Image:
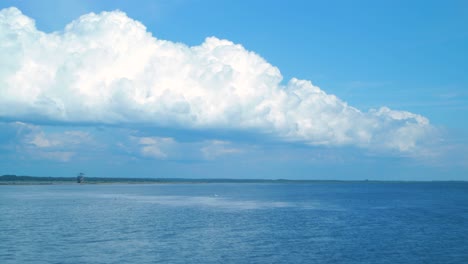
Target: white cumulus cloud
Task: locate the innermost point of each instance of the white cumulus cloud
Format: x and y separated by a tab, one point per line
107	68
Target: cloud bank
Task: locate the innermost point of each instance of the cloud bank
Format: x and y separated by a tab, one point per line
108	69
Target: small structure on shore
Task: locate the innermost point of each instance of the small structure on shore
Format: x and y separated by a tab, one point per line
80	178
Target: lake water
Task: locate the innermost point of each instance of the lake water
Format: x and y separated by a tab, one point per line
354	222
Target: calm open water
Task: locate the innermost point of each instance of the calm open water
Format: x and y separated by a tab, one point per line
235	223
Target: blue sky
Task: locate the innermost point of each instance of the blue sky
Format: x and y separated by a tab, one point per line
238	89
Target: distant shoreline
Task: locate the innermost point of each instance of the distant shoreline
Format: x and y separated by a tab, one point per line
35	180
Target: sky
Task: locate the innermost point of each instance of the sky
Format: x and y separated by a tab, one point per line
345	90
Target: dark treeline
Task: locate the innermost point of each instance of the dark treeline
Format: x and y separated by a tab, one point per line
14	179
31	178
34	179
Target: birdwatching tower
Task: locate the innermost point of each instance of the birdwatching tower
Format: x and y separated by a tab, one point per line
80	178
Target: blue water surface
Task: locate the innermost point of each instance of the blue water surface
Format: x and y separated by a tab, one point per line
353	222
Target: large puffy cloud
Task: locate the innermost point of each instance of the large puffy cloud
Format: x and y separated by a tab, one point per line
106	68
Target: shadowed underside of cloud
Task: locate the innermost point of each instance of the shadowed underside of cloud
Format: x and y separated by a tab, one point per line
107	69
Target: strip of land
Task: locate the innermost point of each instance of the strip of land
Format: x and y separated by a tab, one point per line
35	180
